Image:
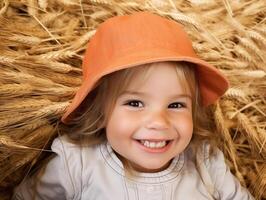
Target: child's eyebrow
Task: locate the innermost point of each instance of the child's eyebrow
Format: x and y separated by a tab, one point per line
145	94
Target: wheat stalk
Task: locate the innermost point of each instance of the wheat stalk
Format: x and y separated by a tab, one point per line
4	8
235	93
83	39
56	109
243	53
8	142
45	28
43	133
253	74
249	44
32	7
106	2
27	78
61	91
43	4
58	55
7	122
23	119
250	131
261	29
99	14
49	17
6	60
25	104
15	89
261	183
228	143
29	40
69	2
261	133
257	37
34	125
181	18
61	67
68	80
237	25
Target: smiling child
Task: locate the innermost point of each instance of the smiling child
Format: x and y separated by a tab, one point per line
135	129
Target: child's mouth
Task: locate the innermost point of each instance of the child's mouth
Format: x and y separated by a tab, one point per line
154	144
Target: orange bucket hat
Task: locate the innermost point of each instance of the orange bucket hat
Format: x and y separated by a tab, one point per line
139	38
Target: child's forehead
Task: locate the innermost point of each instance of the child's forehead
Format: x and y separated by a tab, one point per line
155	75
157	71
143	71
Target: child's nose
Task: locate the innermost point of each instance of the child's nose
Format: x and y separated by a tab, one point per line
157	120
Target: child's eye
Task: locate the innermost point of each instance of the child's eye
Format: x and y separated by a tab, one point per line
134	103
177	105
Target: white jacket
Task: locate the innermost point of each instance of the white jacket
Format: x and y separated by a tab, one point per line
95	173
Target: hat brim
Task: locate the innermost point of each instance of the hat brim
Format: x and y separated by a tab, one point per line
212	83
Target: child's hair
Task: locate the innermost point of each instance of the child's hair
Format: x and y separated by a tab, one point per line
87	125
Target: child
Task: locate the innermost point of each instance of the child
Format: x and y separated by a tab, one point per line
135	129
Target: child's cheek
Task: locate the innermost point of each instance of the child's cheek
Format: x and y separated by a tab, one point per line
183	123
123	123
130	120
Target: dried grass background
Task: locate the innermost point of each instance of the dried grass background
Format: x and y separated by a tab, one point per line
41	46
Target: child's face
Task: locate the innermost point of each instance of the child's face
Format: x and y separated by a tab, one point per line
152	123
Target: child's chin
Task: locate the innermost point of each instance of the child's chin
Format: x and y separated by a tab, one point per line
152	167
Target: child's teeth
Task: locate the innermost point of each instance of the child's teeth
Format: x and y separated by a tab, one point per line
160	144
153	144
